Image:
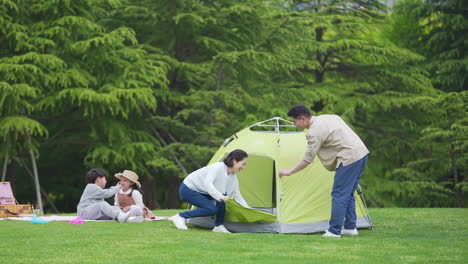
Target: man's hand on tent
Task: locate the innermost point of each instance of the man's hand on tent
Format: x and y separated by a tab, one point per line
301	165
285	172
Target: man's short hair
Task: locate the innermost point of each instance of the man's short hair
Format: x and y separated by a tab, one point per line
93	174
298	111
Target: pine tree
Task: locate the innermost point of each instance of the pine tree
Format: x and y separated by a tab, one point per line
351	70
438	30
444	43
90	86
221	55
155	86
23	71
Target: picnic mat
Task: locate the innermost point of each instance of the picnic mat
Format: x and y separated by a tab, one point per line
51	218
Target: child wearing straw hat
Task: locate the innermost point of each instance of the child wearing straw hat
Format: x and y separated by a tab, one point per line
92	205
130	199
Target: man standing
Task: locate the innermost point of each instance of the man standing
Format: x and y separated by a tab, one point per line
340	149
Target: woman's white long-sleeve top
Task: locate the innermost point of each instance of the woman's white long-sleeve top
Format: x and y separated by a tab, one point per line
215	181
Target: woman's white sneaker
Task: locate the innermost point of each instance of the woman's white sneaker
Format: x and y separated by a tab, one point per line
220	229
179	222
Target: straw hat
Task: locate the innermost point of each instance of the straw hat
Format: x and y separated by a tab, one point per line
129	175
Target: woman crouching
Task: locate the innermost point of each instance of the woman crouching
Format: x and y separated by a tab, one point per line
217	182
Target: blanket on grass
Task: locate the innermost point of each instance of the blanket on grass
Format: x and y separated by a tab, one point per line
51	218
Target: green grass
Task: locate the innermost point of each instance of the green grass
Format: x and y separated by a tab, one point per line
399	236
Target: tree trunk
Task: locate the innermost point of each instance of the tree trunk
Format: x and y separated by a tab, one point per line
5	166
319	72
173	193
319	76
149	197
174	157
457	190
11	175
36	182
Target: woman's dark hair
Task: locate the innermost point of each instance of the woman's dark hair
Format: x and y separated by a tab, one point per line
237	155
93	174
298	111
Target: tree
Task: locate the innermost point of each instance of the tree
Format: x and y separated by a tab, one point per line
24	70
438	30
221	56
155	86
93	85
375	85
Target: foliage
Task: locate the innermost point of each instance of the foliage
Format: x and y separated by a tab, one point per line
436	175
156	86
86	82
439	32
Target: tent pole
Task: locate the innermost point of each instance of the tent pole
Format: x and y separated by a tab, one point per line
5	167
36	182
361	194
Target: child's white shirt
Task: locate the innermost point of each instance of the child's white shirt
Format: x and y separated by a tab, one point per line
136	195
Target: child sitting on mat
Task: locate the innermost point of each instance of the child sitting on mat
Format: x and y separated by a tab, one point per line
92	205
129	198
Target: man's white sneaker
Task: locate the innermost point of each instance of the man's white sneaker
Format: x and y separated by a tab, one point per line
330	234
179	222
220	229
123	217
136	219
349	232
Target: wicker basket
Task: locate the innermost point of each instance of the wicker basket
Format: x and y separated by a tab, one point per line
13	210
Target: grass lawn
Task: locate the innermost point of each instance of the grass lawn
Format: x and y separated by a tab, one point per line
399	236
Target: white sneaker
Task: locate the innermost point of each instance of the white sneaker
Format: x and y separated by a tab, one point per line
330	234
220	229
179	222
136	219
123	217
349	232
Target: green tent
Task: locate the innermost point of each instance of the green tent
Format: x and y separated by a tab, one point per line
300	203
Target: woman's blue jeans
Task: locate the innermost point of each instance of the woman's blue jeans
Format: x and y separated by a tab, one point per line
204	204
343	212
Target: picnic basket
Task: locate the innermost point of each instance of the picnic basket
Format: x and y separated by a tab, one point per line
9	207
13	210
